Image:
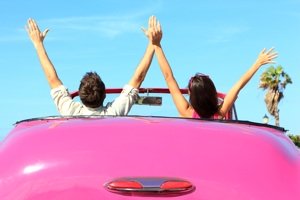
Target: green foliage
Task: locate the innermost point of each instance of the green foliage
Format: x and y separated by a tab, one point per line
272	77
295	139
274	81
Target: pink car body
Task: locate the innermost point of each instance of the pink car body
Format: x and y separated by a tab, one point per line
138	157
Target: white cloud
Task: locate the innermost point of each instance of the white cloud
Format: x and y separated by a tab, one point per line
106	26
13	36
69	27
9	39
225	34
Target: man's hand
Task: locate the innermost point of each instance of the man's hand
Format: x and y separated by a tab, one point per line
36	36
154	32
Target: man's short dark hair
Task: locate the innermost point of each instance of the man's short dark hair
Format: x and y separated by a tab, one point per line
92	90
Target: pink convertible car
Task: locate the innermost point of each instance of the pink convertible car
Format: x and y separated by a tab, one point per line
147	157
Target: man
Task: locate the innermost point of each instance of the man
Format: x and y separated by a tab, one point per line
91	89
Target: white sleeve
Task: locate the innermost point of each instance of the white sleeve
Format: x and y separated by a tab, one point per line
63	101
123	103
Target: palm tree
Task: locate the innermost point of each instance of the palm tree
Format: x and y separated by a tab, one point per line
295	139
274	80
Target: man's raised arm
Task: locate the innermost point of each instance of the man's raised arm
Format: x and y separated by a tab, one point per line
142	69
37	37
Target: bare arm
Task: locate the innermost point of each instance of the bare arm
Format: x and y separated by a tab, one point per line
37	37
265	57
182	105
143	67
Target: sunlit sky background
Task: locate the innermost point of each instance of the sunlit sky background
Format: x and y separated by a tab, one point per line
216	37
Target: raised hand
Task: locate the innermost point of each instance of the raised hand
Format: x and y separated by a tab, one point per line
37	37
34	32
154	31
266	57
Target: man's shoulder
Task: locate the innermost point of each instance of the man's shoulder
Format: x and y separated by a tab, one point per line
59	88
128	89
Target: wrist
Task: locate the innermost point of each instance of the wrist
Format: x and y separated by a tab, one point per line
157	45
257	64
38	45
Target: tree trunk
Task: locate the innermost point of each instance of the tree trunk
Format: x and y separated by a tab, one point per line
276	116
272	99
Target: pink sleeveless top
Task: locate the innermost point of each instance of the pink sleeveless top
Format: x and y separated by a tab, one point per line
215	116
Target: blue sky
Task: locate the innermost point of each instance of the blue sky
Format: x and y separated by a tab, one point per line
215	37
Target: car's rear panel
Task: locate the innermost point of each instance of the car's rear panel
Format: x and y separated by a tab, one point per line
75	158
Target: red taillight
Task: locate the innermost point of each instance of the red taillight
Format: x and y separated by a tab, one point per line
150	186
176	185
124	184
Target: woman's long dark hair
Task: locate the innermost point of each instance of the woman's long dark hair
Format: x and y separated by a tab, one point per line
203	95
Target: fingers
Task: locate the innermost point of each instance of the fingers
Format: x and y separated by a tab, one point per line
143	29
267	56
155	25
272	54
271	62
151	31
34	32
158	27
29	26
153	28
270	50
32	26
45	33
149	22
152	18
263	51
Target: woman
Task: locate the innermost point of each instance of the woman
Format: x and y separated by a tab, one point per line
203	100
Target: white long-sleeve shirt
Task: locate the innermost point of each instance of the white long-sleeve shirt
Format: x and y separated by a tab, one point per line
68	107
